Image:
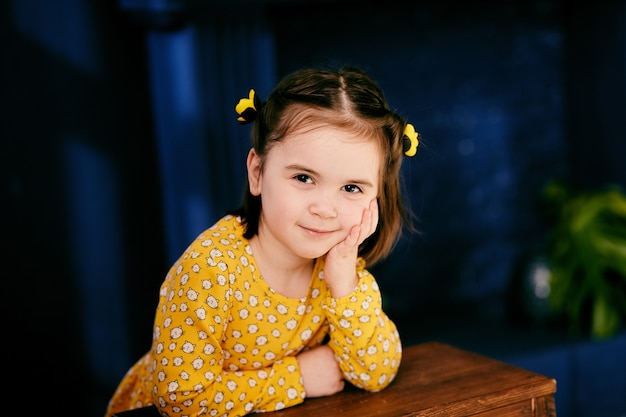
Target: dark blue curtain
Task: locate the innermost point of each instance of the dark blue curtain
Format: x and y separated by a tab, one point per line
198	73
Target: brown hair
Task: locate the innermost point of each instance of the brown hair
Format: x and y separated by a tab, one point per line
346	98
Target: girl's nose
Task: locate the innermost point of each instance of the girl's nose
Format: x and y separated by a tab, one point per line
323	206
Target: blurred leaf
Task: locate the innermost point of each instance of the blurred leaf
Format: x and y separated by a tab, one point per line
587	256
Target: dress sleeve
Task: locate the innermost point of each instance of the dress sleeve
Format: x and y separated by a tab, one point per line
364	339
188	371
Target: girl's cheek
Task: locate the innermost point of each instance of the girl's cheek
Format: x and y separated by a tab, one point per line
351	214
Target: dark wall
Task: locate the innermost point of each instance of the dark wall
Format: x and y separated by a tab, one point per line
485	87
81	224
507	95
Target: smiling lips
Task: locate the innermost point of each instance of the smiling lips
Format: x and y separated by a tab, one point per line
317	233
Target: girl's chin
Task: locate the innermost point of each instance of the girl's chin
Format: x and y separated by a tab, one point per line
314	253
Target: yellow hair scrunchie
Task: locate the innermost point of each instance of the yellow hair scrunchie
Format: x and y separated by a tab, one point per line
248	107
410	140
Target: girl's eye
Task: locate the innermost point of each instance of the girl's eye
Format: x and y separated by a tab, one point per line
303	178
351	188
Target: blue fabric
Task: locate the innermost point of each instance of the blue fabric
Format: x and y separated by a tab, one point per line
198	74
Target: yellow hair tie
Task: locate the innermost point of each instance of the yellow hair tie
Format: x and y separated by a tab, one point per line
410	140
248	108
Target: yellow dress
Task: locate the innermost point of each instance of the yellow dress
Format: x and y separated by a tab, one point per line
225	343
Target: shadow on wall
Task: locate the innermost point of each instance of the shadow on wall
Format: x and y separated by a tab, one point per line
80	199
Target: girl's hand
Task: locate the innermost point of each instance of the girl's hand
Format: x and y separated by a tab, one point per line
339	270
320	372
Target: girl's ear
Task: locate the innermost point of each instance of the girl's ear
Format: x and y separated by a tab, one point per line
254	172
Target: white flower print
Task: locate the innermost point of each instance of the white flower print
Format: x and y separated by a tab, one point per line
212	301
253	301
188	347
197	363
201	313
172	386
292	393
306	335
219	397
192	295
176	332
209	349
382	379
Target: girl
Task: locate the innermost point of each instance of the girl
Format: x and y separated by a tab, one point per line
273	303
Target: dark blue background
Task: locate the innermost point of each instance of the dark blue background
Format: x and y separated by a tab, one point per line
119	145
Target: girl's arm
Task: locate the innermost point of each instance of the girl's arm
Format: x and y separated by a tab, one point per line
365	341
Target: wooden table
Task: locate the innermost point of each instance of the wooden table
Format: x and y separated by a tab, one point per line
436	379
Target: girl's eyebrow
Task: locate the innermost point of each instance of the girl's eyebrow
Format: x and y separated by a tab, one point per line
361	182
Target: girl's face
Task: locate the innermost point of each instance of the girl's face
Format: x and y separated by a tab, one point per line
314	187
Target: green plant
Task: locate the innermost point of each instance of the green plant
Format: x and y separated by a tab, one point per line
586	250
